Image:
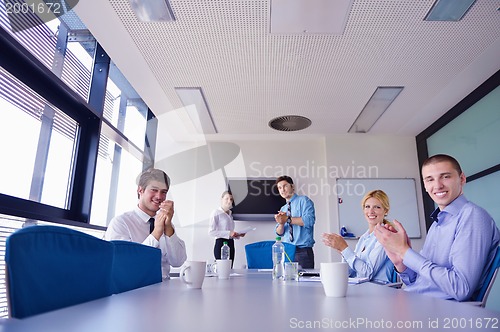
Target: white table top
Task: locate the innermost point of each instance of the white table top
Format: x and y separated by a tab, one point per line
254	302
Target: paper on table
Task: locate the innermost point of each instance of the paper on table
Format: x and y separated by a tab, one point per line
358	280
351	280
246	230
309	279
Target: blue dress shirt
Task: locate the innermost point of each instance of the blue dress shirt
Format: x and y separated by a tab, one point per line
368	259
459	247
303	236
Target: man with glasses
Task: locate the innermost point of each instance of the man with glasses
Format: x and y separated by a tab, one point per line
296	222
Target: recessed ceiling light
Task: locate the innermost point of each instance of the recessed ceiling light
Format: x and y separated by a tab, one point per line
448	10
379	102
152	10
200	113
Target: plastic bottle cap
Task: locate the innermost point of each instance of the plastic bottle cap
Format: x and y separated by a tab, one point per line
225	242
278	238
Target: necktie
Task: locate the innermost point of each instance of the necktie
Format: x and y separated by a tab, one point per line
434	215
151	222
290	227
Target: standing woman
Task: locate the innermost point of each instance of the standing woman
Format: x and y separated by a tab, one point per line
222	226
368	258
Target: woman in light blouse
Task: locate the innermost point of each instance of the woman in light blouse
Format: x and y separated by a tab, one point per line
221	226
368	258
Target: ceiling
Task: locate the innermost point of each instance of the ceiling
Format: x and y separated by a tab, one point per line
249	76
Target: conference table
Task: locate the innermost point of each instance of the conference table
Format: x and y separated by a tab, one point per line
251	301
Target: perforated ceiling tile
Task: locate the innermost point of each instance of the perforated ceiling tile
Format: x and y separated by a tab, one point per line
250	76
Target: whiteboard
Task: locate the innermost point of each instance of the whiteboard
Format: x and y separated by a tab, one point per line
402	199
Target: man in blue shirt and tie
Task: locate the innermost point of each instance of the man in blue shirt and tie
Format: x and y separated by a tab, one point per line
460	244
296	222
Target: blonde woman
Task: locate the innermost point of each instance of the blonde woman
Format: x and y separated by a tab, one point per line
368	258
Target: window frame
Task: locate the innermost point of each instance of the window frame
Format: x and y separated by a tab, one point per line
23	65
421	139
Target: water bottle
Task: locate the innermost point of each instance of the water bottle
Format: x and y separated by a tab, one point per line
224	251
278	260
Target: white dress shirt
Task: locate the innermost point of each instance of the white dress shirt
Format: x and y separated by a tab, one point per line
221	224
134	226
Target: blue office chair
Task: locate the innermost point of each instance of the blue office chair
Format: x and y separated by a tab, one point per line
259	254
480	297
50	267
135	265
394	275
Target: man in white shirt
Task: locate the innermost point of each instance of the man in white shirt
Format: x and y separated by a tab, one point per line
150	222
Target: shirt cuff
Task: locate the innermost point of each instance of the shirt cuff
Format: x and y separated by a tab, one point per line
173	237
151	241
413	260
348	255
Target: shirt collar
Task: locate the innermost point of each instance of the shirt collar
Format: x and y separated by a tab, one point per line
293	197
453	208
222	211
142	215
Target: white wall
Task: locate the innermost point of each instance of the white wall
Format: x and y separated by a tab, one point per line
360	155
305	159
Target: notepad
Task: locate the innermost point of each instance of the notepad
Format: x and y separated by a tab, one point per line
246	230
309	279
350	280
358	280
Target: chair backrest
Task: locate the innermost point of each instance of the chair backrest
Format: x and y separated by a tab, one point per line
135	265
394	275
259	254
482	296
50	267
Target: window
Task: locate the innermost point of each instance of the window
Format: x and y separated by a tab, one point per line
62	147
468	132
469	136
64	46
121	154
71	150
124	108
40	141
115	188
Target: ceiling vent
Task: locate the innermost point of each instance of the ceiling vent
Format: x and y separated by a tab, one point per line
290	123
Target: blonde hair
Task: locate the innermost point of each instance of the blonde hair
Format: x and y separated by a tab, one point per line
381	196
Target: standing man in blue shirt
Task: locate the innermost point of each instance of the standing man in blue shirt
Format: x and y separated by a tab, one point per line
296	222
460	245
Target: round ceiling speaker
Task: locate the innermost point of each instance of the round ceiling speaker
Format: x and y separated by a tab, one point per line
290	123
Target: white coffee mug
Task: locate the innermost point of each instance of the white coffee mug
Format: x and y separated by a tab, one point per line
334	277
223	268
192	273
